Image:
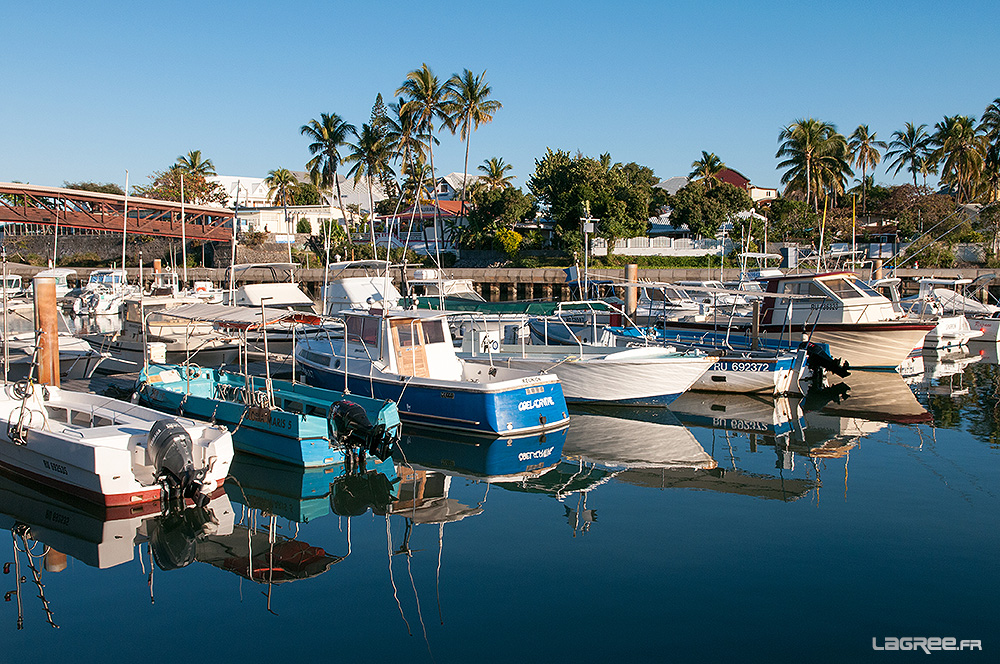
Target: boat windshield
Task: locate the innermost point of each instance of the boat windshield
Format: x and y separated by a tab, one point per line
843	288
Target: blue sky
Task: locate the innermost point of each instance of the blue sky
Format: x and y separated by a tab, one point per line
93	89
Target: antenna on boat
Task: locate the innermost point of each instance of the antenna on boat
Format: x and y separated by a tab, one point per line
232	258
184	254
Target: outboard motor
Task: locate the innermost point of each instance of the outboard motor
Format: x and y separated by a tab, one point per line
353	428
170	446
174	536
818	356
353	495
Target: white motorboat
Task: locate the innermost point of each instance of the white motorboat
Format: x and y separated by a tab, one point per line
643	376
948	308
106	451
104	293
859	325
147	320
76	357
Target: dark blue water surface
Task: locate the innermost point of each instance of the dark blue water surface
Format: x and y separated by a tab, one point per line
730	528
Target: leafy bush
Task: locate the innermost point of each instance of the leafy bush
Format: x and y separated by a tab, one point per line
508	241
303	226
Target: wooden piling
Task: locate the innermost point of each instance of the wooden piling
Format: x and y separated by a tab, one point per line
47	326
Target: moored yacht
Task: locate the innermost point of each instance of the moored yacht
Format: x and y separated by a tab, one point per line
409	357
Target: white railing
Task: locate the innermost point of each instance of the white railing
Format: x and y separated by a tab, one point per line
660	246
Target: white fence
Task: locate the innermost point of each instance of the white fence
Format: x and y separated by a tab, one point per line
660	246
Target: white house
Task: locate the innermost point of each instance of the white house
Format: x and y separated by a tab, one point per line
253	193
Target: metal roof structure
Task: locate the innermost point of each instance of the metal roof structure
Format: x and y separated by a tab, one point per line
94	211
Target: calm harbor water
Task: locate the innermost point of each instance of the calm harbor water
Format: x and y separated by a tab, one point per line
733	527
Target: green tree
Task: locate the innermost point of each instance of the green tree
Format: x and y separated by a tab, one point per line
192	163
98	187
495	173
707	169
865	153
370	157
328	135
427	99
281	186
306	193
911	148
471	106
960	151
166	186
989	126
619	195
406	143
790	219
803	142
704	210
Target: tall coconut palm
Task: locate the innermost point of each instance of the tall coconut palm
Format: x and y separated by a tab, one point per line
402	139
800	142
192	163
911	147
960	150
370	156
471	106
281	186
866	152
328	135
832	166
495	174
427	98
989	125
707	169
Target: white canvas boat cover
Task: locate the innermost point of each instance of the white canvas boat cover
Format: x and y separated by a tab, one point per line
240	317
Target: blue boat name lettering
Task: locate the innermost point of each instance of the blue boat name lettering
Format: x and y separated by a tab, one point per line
55	467
537	403
535	454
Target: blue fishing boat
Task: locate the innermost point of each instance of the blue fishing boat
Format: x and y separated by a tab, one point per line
409	357
281	420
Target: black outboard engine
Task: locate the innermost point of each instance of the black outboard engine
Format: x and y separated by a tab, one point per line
170	447
174	536
354	494
818	356
353	428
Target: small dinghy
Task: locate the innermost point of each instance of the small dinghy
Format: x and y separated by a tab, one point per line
107	451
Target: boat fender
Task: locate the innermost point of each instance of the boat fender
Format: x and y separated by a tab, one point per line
169	446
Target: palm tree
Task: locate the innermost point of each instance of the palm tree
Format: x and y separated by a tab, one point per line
495	174
707	168
960	150
911	148
281	186
832	167
328	135
801	140
192	163
370	157
989	125
866	153
471	106
427	99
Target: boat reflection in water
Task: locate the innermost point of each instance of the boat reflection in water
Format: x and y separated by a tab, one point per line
96	536
257	550
941	371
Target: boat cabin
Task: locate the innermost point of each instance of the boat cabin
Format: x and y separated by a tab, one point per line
411	343
11	285
113	279
61	275
834	297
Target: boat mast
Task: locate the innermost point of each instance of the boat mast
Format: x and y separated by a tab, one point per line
124	224
184	254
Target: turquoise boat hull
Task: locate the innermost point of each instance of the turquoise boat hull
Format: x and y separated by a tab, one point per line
296	427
